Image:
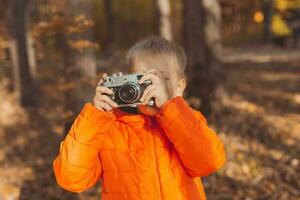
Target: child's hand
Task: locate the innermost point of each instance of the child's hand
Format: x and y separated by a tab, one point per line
101	101
157	90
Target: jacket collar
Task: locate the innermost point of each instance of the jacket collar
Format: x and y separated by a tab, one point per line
132	118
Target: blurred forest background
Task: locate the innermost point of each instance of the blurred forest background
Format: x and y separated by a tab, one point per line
243	69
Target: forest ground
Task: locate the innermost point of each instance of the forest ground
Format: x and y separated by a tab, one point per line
257	117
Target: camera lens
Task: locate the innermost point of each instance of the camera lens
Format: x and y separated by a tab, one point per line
129	92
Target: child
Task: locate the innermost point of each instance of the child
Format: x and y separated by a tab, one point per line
146	153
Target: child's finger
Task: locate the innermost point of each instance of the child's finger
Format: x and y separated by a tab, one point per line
154	79
104	106
104	98
103	90
150	94
109	101
96	104
102	79
150	87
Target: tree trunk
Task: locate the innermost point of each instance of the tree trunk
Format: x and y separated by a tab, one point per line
110	41
80	64
20	32
162	20
267	7
83	59
14	62
203	45
31	55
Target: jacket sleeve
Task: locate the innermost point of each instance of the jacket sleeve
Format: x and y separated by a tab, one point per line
78	165
199	148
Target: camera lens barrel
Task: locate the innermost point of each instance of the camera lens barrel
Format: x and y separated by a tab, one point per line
129	92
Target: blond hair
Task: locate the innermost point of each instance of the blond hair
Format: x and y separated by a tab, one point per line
158	51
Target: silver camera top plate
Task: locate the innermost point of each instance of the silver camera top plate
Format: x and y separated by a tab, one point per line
119	79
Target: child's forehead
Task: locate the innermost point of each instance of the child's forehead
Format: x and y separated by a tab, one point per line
144	69
144	66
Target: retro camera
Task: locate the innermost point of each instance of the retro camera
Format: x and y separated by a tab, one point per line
126	88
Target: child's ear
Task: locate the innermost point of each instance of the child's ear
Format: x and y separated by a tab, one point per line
181	86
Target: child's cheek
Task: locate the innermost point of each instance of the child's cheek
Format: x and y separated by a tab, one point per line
172	88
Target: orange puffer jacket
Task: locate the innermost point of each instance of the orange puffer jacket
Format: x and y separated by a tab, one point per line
140	157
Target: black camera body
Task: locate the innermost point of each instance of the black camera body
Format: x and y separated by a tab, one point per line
127	89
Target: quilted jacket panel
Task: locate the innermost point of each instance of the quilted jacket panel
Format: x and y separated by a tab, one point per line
140	157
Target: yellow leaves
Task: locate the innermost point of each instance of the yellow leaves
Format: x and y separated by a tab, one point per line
67	30
2	42
74	30
194	102
241	104
84	21
11	111
3	45
295	162
57	6
48	27
258	17
296	98
287	4
281	4
80	24
80	45
9	191
279	27
79	18
68	114
65	87
58	23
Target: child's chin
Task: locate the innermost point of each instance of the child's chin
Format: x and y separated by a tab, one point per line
148	110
